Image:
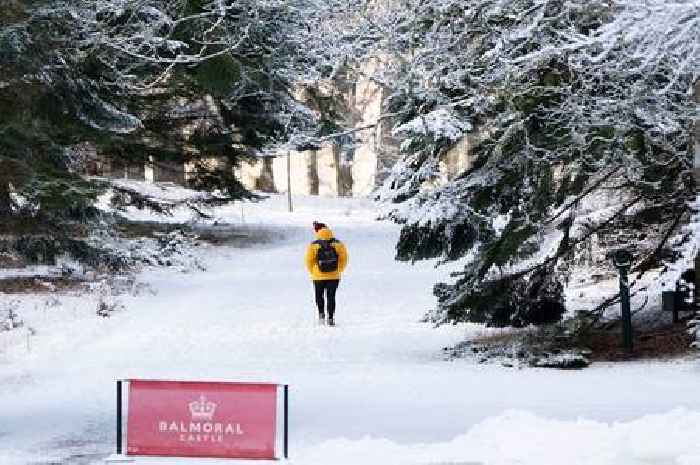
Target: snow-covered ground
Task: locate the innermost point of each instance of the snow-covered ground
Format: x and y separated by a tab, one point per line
373	390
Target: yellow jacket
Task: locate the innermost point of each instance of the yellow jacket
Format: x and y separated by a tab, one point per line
325	234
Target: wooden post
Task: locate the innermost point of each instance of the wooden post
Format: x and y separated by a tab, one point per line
286	421
119	417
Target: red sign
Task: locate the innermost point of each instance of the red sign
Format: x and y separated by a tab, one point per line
197	419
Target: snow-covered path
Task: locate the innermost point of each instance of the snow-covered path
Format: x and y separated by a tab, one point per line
378	374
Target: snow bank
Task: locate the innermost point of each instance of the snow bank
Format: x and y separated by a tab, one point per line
521	438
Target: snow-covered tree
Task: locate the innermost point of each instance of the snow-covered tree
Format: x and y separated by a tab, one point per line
577	114
170	80
216	76
44	204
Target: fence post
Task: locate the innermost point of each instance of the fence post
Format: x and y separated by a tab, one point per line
119	417
622	258
286	421
626	310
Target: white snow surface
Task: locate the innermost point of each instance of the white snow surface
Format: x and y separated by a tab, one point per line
376	389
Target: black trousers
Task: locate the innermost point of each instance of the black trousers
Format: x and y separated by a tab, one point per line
325	290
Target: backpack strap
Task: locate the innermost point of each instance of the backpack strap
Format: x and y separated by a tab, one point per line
330	241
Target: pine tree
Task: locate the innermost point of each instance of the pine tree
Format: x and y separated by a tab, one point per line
44	204
160	81
223	70
564	103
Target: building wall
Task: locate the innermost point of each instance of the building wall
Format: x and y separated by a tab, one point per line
257	175
457	159
304	174
367	106
327	167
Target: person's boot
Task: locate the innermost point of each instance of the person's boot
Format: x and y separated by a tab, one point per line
331	321
321	319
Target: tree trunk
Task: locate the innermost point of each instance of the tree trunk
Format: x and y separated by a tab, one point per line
5	200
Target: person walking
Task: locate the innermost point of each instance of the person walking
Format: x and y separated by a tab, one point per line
326	259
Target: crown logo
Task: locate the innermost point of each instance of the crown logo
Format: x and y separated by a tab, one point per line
202	409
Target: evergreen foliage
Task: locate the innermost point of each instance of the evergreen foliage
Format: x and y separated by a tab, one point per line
141	82
564	104
43	202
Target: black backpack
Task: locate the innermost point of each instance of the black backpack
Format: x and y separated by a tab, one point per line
327	257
